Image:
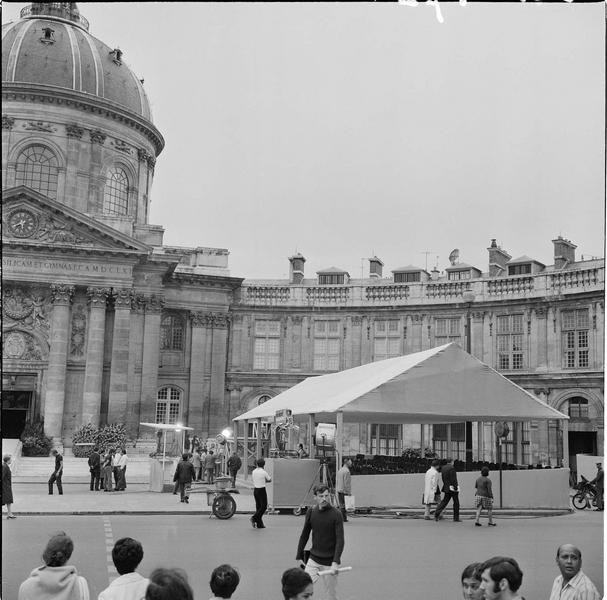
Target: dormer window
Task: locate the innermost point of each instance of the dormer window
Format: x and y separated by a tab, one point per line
48	36
407	277
459	275
520	269
333	279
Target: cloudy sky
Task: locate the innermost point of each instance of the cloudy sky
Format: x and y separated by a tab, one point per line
345	130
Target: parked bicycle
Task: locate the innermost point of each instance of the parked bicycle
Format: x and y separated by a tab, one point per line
586	495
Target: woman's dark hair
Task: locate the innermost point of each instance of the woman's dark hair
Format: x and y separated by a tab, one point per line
127	554
485	471
224	581
472	571
294	581
169	584
58	550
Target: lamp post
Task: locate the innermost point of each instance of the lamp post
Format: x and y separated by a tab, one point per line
469	299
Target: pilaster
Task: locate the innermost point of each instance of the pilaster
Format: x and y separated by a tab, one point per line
120	356
198	323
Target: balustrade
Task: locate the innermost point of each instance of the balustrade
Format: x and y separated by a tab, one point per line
510	285
387	292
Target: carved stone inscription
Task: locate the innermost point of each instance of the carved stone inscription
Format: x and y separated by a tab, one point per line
57	266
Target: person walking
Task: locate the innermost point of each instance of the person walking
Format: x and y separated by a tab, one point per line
107	468
55	579
260	477
196	462
598	482
121	465
7	486
56	474
483	497
343	486
234	464
209	466
184	474
450	491
127	553
327	528
431	493
115	467
572	583
95	468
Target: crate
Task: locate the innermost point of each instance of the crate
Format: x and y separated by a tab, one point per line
222	483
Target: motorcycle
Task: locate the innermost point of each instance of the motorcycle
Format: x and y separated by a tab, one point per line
586	495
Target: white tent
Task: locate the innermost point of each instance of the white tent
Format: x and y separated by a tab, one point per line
440	385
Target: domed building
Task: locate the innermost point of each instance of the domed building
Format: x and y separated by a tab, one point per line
94	306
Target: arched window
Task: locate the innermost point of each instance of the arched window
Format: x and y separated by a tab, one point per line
168	405
116	192
263	399
37	167
578	408
171	333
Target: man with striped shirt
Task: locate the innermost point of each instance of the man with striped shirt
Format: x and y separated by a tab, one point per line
572	583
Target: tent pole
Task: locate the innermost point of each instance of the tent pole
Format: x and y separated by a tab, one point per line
449	448
565	425
245	442
422	440
310	435
338	440
258	445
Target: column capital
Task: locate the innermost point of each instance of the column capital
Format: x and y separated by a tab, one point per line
122	297
61	293
209	319
154	303
97	296
137	302
357	320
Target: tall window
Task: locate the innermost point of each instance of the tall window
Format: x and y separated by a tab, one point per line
326	345
458	441
171	333
575	326
37	167
266	354
388	439
168	403
578	409
116	193
510	339
386	342
447	330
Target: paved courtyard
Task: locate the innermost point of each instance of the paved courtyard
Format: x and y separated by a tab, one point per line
392	558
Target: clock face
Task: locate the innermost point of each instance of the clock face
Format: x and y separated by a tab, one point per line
22	223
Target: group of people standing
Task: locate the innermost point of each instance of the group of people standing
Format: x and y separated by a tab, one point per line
102	467
445	471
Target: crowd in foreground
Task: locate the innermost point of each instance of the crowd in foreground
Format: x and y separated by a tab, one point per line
498	578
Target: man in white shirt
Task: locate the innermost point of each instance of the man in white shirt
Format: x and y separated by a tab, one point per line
126	554
260	478
343	486
572	583
116	468
122	462
431	488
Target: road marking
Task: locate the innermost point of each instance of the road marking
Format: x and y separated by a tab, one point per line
109	545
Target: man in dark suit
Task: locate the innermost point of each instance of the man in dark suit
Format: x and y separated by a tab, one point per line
450	490
95	468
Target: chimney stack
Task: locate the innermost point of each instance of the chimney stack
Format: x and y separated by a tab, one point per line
564	252
375	268
296	272
497	260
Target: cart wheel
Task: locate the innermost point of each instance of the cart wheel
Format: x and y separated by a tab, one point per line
297	511
579	501
224	506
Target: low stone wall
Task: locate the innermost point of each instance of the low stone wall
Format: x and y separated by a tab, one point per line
536	488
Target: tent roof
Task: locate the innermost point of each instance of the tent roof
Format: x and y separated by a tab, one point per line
441	385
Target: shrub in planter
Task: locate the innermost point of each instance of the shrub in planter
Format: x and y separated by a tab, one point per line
86	434
112	436
34	441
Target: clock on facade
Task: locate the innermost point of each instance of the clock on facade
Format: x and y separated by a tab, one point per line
22	223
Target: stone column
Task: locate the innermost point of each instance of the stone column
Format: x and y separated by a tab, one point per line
151	356
539	345
61	296
219	345
135	364
199	324
119	368
93	372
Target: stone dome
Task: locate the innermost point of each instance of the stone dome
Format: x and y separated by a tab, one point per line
50	46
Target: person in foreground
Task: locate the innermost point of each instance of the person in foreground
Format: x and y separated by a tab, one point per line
224	581
126	555
471	582
327	527
169	584
55	580
296	585
501	578
572	583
